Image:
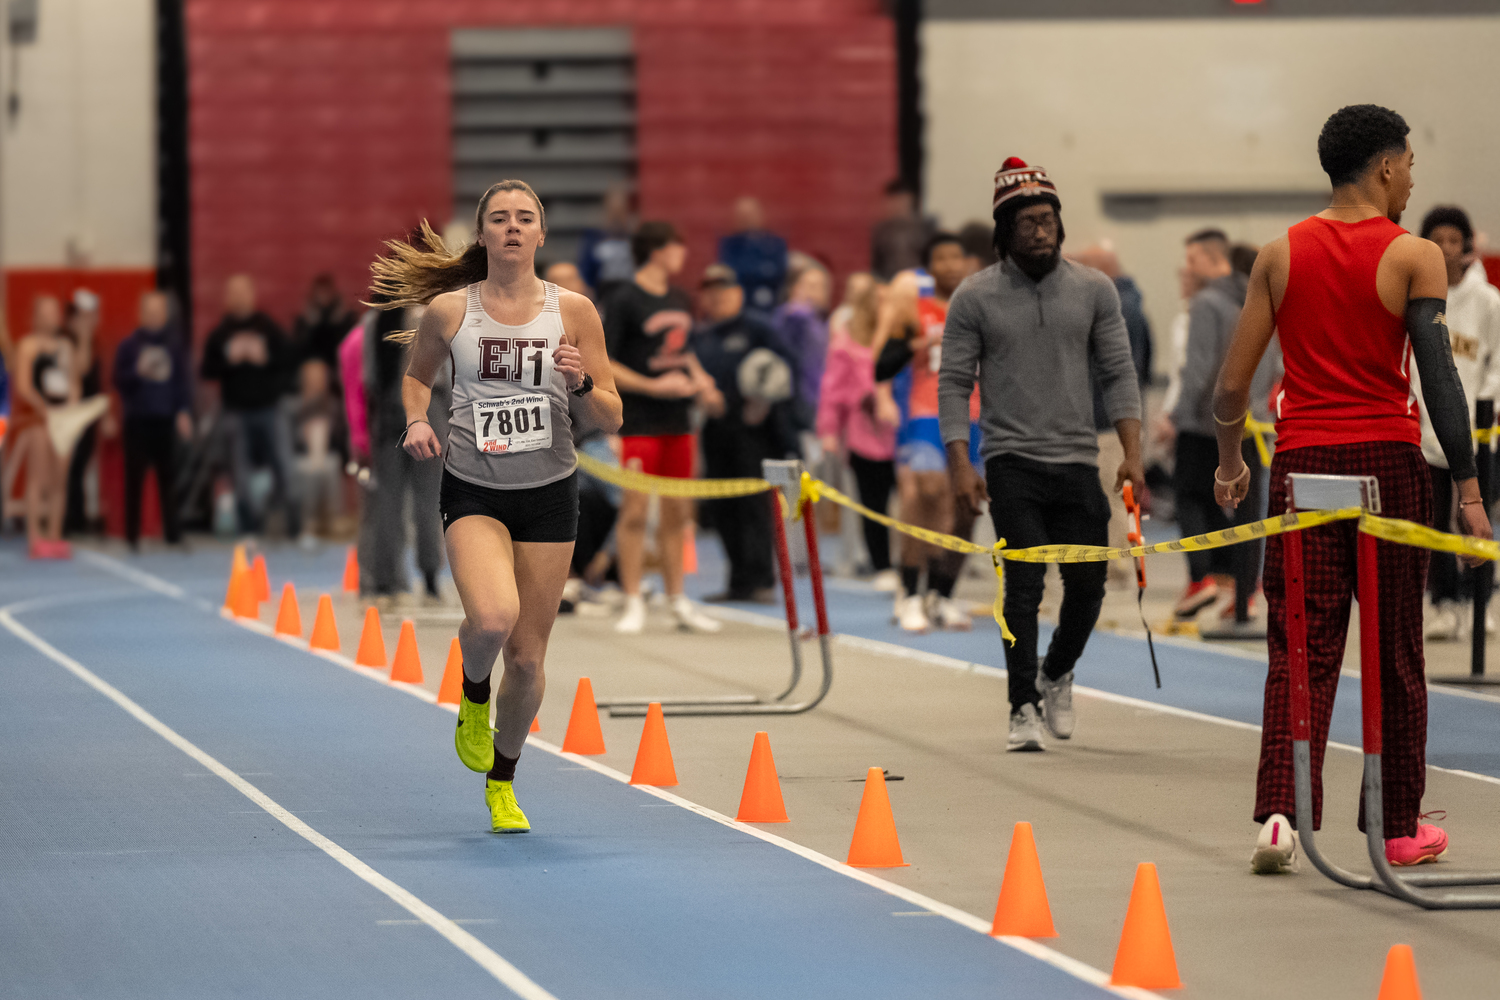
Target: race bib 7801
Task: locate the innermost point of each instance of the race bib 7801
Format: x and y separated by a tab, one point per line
513	424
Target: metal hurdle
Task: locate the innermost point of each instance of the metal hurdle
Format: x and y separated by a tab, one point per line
786	478
1308	492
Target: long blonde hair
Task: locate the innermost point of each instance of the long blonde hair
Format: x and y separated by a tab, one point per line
862	296
414	273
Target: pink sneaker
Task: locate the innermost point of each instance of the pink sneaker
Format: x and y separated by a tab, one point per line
1429	844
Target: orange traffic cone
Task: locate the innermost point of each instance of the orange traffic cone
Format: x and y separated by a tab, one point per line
536	725
1400	979
653	758
690	548
761	802
453	675
875	844
1145	957
325	633
237	566
584	735
1023	910
244	595
371	643
262	581
351	572
407	665
289	616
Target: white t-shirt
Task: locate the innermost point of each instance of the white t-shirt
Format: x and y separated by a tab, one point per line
1473	314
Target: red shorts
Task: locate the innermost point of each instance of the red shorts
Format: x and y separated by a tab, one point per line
670	455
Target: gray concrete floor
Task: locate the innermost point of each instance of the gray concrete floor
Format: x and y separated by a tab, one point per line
1133	785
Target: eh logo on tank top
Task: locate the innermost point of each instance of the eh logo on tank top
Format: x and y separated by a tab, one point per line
512	359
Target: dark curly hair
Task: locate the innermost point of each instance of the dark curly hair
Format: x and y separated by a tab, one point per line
936	240
1449	215
1354	136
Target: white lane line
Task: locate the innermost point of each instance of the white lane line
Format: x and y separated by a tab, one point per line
1056	959
511	977
1040	952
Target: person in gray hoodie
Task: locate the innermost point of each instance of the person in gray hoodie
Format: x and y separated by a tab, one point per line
1033	327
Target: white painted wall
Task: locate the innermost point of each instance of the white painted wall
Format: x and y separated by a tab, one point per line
1201	105
78	164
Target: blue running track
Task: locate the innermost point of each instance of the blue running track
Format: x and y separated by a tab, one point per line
131	870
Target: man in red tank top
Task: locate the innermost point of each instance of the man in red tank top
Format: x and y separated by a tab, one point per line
1355	300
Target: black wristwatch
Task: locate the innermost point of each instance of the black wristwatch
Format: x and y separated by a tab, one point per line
584	388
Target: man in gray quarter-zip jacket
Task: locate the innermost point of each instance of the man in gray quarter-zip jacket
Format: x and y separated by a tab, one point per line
1033	326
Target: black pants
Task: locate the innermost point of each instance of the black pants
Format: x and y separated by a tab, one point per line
733	450
596	519
75	517
1039	503
151	442
1197	510
876	479
1444	582
1247	557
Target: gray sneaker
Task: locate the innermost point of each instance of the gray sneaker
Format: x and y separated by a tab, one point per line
1025	729
1057	703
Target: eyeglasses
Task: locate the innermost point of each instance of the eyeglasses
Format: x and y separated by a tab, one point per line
1037	224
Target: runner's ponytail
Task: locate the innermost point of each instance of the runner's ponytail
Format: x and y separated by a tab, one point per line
415	272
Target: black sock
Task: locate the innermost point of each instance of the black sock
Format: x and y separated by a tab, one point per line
505	767
477	691
939	579
432	585
909	577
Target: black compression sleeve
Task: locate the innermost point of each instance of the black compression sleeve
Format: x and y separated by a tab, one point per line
1442	392
893	357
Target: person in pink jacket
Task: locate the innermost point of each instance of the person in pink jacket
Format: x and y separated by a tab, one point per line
858	418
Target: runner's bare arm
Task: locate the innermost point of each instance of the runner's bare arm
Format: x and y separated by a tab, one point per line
1246	348
583	346
428	354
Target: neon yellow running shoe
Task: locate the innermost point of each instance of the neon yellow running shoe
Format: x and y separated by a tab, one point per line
474	738
505	815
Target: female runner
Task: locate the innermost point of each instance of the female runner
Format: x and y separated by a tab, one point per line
528	361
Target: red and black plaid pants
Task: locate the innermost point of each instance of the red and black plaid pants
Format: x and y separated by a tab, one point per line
1329	560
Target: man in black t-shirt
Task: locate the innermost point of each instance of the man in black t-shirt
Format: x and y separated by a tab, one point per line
646	328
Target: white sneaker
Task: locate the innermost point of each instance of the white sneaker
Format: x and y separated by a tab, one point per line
1276	848
634	618
573	590
1057	703
946	614
690	619
911	615
1442	622
1025	730
887	581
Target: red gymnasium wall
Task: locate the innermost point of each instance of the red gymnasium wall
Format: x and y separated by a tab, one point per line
320	127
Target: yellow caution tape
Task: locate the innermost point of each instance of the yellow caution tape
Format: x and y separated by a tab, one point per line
815	490
1485	435
1423	537
1259	430
640	482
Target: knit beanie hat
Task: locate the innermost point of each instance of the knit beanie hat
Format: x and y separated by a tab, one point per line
1015	180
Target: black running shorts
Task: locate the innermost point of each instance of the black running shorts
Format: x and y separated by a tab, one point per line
540	514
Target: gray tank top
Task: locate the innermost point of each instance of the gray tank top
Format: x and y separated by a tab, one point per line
509	428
